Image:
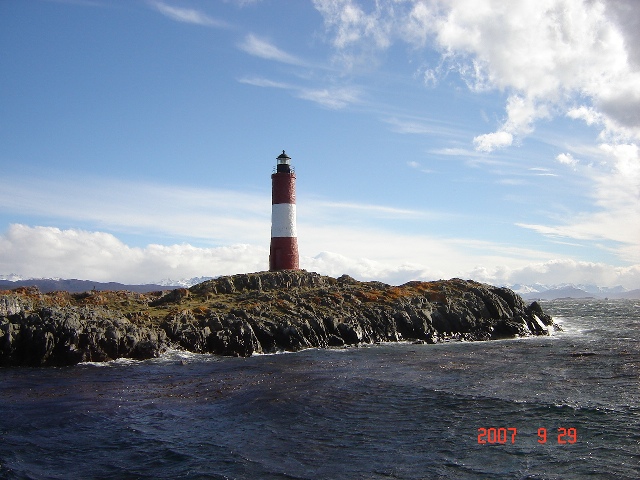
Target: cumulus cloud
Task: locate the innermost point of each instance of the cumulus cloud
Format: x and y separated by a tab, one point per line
490	141
334	264
588	114
567	159
94	255
73	253
542	53
52	252
562	271
521	114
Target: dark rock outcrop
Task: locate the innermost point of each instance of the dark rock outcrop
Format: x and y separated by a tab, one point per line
255	313
55	336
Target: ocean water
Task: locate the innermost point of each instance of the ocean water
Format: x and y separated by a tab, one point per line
392	411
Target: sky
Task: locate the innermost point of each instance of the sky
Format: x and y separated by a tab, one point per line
431	139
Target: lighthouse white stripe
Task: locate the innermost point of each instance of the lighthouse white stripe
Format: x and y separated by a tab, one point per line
283	220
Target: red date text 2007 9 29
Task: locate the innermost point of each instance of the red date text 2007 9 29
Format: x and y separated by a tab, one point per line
492	436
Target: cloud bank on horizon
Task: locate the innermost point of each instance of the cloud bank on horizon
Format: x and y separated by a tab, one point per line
515	126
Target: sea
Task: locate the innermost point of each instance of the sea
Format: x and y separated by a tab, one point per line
565	406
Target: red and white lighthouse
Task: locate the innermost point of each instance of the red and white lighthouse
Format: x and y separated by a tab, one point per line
283	254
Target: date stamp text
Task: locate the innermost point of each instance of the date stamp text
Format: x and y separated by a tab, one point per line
504	435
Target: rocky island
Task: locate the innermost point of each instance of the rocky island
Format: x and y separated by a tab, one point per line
261	312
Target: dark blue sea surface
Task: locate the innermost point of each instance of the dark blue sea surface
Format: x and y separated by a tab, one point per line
399	411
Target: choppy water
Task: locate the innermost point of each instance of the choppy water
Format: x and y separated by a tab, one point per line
397	411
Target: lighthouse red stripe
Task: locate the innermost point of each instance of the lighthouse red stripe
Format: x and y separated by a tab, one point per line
283	188
283	254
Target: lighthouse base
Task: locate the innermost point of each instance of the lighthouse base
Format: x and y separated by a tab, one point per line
283	254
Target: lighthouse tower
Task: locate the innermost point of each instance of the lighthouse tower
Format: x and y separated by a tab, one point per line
283	254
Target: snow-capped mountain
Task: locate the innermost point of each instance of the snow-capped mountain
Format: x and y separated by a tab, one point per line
183	282
12	277
567	290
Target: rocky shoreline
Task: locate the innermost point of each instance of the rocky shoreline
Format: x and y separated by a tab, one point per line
261	312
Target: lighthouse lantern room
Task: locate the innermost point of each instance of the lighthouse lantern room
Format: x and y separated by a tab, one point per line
283	254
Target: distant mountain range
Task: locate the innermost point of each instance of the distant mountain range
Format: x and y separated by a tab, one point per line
528	292
553	292
46	285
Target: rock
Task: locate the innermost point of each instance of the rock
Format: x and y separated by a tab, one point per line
263	312
10	305
53	336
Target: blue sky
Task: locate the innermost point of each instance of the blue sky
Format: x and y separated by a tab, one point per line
431	139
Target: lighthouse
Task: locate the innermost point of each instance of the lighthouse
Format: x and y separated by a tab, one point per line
283	254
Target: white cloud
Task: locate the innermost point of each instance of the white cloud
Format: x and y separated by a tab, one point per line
456	152
186	15
52	252
334	264
93	255
262	48
424	126
561	271
542	172
371	210
567	159
588	114
353	25
334	98
244	3
265	82
540	52
328	97
490	141
365	253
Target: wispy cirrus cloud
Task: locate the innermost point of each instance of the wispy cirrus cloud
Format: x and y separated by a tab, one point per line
186	15
412	126
334	98
372	210
216	216
265	82
260	47
615	175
